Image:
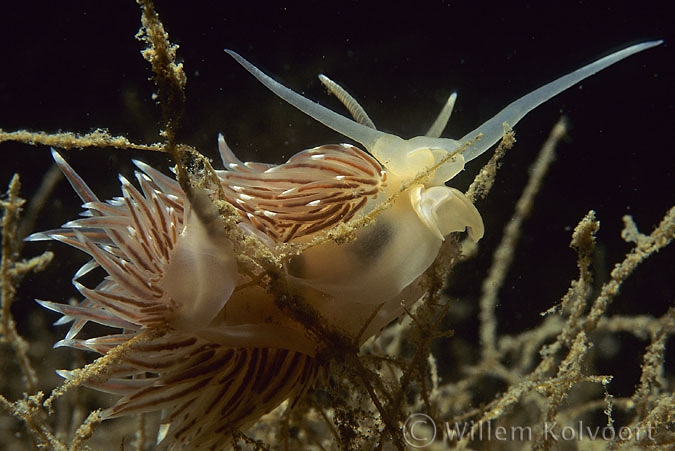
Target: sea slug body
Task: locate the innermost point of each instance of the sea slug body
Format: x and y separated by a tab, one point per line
224	353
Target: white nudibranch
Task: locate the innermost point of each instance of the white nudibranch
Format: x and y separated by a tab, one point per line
224	353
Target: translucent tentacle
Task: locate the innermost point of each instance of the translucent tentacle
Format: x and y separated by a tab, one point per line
441	121
410	157
358	132
493	129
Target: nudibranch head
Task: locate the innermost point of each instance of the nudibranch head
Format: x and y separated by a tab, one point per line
220	351
430	160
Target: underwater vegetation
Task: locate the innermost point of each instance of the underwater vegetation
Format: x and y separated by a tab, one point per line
340	383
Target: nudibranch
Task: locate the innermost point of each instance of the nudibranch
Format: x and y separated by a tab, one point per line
224	353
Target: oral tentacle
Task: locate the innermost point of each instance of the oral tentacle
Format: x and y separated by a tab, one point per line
493	129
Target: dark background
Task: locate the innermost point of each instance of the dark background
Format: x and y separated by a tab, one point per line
76	66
